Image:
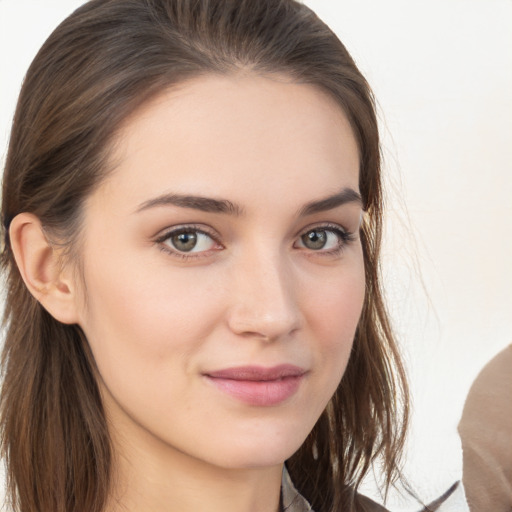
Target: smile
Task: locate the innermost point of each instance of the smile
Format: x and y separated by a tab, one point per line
258	386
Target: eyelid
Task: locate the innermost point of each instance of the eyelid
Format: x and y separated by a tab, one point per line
199	228
327	226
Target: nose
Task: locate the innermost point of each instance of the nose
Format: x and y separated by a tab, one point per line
264	301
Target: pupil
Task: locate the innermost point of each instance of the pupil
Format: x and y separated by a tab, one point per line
184	241
315	239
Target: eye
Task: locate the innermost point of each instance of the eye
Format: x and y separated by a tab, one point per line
324	238
188	240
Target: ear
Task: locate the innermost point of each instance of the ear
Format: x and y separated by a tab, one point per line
39	263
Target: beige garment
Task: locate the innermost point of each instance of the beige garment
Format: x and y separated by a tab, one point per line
486	433
294	502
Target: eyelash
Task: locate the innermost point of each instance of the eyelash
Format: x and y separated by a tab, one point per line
344	238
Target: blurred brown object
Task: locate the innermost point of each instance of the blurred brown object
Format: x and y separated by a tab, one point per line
486	433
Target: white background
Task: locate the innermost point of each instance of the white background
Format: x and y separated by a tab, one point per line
442	74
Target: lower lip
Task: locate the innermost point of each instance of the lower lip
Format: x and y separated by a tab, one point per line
260	393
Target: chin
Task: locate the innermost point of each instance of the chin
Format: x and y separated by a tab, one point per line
264	451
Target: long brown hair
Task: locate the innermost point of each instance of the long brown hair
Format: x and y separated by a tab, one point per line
102	63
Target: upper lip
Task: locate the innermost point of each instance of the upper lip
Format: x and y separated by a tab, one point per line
258	373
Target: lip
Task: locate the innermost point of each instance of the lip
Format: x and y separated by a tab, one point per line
258	385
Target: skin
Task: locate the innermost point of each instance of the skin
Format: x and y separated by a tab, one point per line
251	292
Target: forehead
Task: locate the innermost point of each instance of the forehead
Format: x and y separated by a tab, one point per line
245	137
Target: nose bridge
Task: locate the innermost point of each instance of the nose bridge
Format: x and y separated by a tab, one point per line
264	300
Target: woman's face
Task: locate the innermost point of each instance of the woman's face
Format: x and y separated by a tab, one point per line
223	271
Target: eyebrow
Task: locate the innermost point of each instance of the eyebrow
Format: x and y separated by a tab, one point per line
204	204
347	195
211	205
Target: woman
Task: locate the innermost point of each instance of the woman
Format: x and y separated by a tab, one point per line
192	212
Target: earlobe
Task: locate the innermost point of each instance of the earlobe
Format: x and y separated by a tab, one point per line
39	265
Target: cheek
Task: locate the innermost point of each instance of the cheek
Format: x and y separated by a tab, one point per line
335	309
144	334
333	313
139	315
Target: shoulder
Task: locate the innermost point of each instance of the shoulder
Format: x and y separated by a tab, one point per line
485	429
488	401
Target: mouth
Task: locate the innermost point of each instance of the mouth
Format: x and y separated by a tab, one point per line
257	385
